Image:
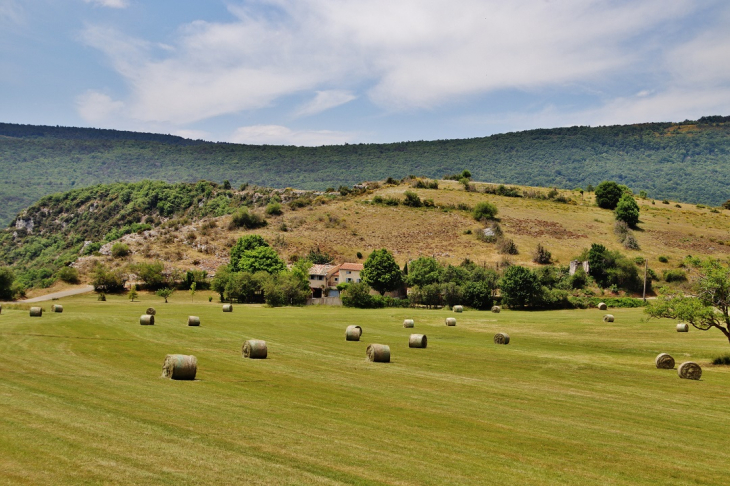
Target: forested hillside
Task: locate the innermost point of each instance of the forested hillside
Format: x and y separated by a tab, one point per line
688	161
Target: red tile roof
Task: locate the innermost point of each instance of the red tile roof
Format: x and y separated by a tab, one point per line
352	266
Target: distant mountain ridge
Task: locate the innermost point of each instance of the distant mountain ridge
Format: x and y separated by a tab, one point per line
686	161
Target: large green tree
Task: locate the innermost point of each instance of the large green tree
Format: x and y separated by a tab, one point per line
520	287
381	271
627	210
7	277
709	306
261	259
608	194
423	271
245	243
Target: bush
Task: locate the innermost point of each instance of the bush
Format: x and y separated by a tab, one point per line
484	211
674	275
541	255
68	275
608	194
627	210
244	219
273	209
107	281
7	277
412	200
663	259
722	360
358	295
120	250
507	246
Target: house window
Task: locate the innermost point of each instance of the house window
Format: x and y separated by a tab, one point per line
349	280
349	272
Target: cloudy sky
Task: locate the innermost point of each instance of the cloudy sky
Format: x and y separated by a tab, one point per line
314	72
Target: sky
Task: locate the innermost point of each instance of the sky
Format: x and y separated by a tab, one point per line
321	72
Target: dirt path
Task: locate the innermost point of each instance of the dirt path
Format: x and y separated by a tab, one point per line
58	295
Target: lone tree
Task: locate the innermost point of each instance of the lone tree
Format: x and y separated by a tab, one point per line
381	271
627	210
608	194
133	293
708	309
164	293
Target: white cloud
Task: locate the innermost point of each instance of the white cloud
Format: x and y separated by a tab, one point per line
95	107
280	135
324	100
110	3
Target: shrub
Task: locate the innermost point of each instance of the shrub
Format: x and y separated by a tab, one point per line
541	255
507	246
378	200
608	194
722	360
245	219
412	200
663	259
120	250
676	275
627	210
273	209
358	295
484	211
391	201
359	255
7	277
68	275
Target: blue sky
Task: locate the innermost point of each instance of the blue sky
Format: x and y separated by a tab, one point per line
314	72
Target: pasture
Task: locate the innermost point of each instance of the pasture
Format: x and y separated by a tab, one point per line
571	399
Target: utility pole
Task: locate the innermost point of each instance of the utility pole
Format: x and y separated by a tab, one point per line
646	268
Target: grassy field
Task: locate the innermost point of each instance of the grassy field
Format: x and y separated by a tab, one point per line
571	400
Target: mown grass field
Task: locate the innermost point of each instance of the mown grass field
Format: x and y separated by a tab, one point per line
571	400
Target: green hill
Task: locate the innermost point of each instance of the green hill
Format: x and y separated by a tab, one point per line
686	161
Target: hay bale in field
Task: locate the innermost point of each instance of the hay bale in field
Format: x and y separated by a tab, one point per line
496	309
57	308
378	353
458	308
147	320
501	338
36	312
408	323
450	321
193	321
255	349
683	327
602	306
608	318
180	367
664	362
689	370
417	341
1	309
227	307
151	311
353	333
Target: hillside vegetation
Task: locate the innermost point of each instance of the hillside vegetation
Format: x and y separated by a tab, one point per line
688	161
190	226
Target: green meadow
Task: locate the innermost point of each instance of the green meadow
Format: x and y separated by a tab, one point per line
571	399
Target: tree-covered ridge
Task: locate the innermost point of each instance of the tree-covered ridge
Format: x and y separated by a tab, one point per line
688	161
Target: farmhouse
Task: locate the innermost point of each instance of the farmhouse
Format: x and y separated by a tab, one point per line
320	278
350	272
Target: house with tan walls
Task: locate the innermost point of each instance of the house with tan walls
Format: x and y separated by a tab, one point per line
350	273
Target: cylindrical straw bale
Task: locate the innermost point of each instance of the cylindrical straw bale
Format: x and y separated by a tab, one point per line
378	353
608	318
501	338
57	308
682	327
602	306
458	308
417	341
408	323
496	309
147	320
1	309
689	370
353	333
255	349
36	312
227	307
151	311
180	367
450	321
193	321
664	362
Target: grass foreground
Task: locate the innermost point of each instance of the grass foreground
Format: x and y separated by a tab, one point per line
571	399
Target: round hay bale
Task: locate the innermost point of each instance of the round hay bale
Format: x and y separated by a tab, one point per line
664	362
378	353
193	321
1	309
151	311
450	321
608	318
57	308
417	341
180	367
689	370
408	323
496	309
36	312
602	306
227	307
353	333
683	327
147	320
501	338
255	349
458	308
